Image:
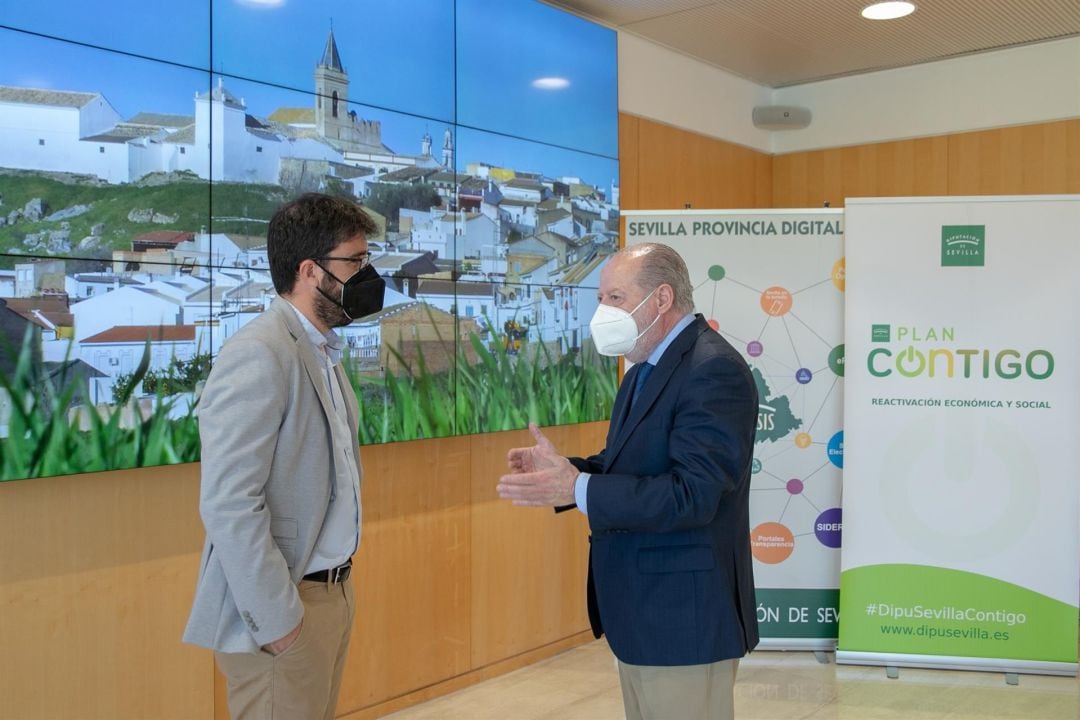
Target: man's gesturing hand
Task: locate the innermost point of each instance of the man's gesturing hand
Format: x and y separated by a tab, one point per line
539	475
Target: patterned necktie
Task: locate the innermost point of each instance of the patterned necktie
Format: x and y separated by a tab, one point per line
639	382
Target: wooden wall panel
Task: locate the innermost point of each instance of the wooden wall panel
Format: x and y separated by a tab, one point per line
412	576
1031	159
891	169
629	187
1024	160
529	564
663	167
97	573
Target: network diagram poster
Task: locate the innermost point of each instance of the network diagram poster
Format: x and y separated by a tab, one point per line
772	283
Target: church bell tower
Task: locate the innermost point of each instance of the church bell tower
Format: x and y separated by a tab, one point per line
332	94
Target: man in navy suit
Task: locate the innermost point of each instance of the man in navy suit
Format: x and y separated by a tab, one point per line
670	575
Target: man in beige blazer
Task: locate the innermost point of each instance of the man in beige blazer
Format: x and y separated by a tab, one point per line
280	492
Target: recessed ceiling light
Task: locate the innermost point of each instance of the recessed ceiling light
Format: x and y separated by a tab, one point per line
550	83
888	10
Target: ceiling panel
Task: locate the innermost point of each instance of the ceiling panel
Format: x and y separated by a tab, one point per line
778	43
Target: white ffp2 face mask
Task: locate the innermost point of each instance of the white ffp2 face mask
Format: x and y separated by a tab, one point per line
614	330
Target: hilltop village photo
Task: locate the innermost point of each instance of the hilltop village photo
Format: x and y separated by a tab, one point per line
133	246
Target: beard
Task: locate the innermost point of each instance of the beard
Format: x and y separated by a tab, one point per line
329	312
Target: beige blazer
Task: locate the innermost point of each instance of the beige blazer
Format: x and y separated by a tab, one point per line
269	452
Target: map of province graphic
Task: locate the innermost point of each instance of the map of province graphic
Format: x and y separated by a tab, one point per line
775	419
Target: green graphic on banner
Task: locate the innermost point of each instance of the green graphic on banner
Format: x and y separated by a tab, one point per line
795	613
963	245
924	610
775	419
836	360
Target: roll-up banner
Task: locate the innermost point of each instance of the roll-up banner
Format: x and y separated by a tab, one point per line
962	532
772	283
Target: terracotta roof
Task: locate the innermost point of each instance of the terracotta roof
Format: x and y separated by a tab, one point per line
449	287
170	237
142	333
547	217
294	116
581	269
43	304
183	136
246	242
406	174
388	312
123	132
528	262
524	184
33	96
162	120
442	176
220	94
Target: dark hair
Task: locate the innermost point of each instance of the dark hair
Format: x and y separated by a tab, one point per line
309	227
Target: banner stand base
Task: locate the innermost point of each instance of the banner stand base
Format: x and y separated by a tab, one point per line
822	645
945	662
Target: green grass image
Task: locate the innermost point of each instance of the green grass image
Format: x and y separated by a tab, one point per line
496	391
44	436
486	390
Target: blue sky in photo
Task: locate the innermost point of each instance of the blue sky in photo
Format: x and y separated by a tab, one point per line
175	32
131	85
503	47
523	155
399	55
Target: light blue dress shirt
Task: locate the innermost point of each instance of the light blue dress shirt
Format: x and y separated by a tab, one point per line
341	532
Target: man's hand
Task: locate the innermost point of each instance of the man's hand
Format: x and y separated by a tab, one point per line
531	459
539	475
279	646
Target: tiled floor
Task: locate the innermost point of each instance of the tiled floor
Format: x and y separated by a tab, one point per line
582	684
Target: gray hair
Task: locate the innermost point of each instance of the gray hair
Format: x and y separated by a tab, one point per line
664	266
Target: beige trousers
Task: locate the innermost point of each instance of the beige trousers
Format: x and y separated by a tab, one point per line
681	692
301	683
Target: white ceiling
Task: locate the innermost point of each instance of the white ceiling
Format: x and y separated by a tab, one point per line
778	43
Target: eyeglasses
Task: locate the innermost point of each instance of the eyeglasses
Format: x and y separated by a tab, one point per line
360	261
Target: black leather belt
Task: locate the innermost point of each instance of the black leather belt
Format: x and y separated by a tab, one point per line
334	575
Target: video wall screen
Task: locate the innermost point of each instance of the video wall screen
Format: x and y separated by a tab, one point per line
143	151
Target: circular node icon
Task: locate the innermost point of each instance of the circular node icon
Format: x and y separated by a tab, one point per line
754	348
794	486
837	274
836	360
755	466
802	440
714	324
836	449
717	272
828	526
803	376
776	301
771	542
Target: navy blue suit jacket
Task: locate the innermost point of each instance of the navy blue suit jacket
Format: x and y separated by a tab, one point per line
670	573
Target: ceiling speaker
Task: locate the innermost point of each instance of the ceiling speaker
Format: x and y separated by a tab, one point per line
781	117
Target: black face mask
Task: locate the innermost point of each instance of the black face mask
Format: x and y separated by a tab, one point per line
361	294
